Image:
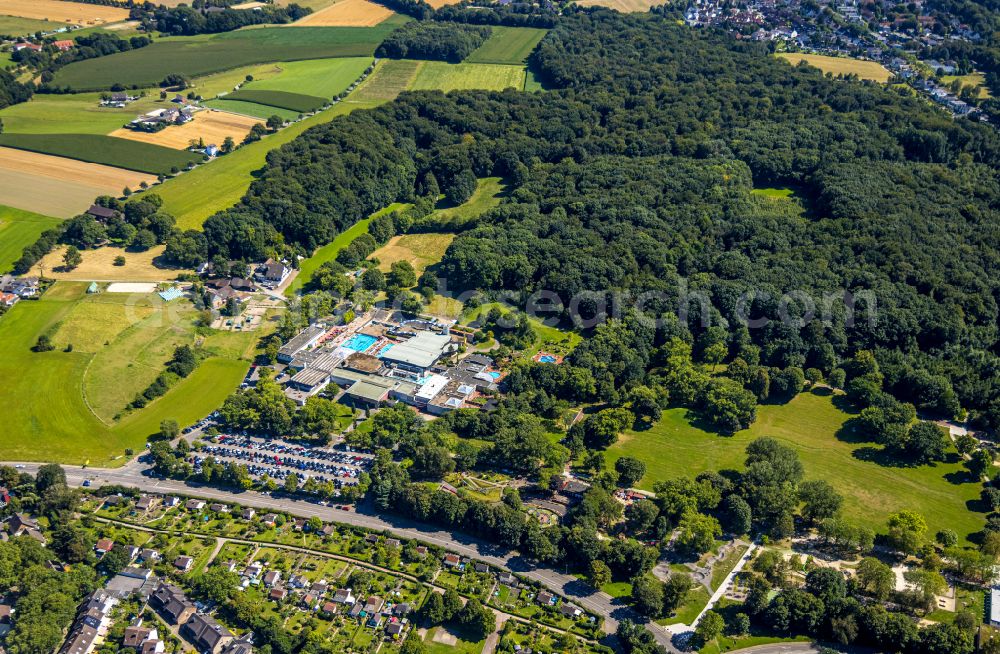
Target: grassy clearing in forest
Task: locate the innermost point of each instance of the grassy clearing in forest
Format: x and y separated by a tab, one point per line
507	45
814	425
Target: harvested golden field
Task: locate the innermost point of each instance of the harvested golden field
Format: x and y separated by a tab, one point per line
99	265
56	186
61	11
437	4
210	126
347	13
249	5
623	6
840	65
420	250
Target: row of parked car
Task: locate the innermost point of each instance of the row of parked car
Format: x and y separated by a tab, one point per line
306	466
258	470
283	449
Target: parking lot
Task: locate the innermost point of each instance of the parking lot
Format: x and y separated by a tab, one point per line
278	459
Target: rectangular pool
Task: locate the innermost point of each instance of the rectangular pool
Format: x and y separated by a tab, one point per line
359	342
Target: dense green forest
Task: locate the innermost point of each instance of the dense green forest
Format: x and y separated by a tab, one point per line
638	173
433	40
12	91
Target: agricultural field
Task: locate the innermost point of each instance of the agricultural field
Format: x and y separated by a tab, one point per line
972	79
869	70
201	55
57	186
62	11
258	112
98	149
421	250
821	433
507	45
280	99
196	195
210	127
441	76
16	26
347	13
390	78
623	6
48	413
19	229
99	265
324	78
78	113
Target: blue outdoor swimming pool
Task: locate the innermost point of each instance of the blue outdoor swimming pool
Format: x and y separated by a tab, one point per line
547	358
381	353
494	375
359	342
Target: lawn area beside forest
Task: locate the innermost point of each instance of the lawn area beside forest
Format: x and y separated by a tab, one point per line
820	432
48	413
19	229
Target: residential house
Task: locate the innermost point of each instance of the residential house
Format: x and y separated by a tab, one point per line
21	525
272	273
546	598
91	624
272	578
207	635
194	505
278	594
147	555
146	502
374	604
395	630
451	560
101	213
6	611
569	610
183	563
344	596
171	604
219	508
248	514
104	546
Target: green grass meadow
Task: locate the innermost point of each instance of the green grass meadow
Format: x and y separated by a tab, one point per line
78	113
47	411
440	76
201	55
507	45
281	99
19	229
252	109
308	267
107	150
390	78
17	26
819	431
324	78
194	196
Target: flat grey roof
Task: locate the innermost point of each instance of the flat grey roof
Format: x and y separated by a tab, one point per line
422	350
310	377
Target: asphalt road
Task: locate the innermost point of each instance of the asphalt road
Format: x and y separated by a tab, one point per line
138	475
